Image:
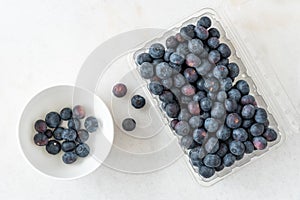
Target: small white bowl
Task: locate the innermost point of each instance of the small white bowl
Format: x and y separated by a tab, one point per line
54	99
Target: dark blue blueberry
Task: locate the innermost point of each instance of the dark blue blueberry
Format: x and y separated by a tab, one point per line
224	50
40	126
247	123
195	46
53	147
167	97
187	32
204	68
173	123
236	147
199	95
199	135
213	42
156	88
218	110
259	142
223	133
177	58
223	61
233	120
91	124
239	157
147	70
138	101
231	105
183	49
219	168
40	139
143	57
128	124
261	115
221	96
233	70
197	153
69	157
211	125
172	110
192	60
195	121
182	128
163	70
184	115
205	104
211	85
66	113
82	150
204	21
212	160
157	50
57	133
214	56
225	84
243	87
270	134
223	149
257	129
186	141
200	84
235	94
206	172
82	136
179	80
168	54
171	42
69	134
48	133
220	72
248	99
213	32
119	90
68	146
78	112
201	32
249	148
166	83
157	61
248	111
52	119
240	134
74	124
228	160
212	145
266	124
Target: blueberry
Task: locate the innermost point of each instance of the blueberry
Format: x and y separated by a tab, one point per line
52	119
257	129
192	60
240	134
157	61
128	124
206	104
204	68
199	95
233	70
225	84
221	96
195	46
223	61
266	124
196	155
214	56
53	147
248	111
138	101
231	105
233	120
177	58
236	147
261	115
187	32
82	136
205	115
204	21
156	88
188	90
171	42
243	87
200	84
218	110
190	74
78	112
173	123
179	80
179	38
57	133
235	94
219	168
143	57
195	121
206	172
213	42
168	54
247	123
146	70
184	115
69	157
223	149
201	32
68	146
259	142
184	99
239	157
176	92
248	99
212	160
183	49
172	110
69	134
182	128
186	141
224	50
211	124
199	135
223	133
166	83
212	145
48	133
74	124
212	95
166	97
213	32
119	90
91	124
66	113
82	150
249	148
163	70
270	134
211	84
220	72
40	139
40	126
157	50
228	160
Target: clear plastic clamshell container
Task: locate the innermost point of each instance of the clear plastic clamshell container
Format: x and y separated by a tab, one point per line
259	74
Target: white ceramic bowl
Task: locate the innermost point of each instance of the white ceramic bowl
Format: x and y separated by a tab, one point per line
54	99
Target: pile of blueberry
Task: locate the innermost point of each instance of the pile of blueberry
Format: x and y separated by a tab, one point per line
214	115
70	139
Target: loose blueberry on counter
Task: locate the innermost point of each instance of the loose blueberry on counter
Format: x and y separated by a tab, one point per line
240	134
223	133
259	142
40	139
82	136
243	87
172	110
211	125
257	129
138	101
53	147
171	42
74	124
119	90
260	115
224	50
48	133
69	157
249	148
223	149
143	57
68	146
91	124
192	60
212	160
201	32
128	124
57	133
82	150
233	70
214	56
66	113
147	70
78	112
228	160
53	119
248	111
157	50
204	21
206	172
182	128
40	126
270	135
187	32
212	145
236	147
199	135
69	134
213	42
213	32
195	46
231	105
